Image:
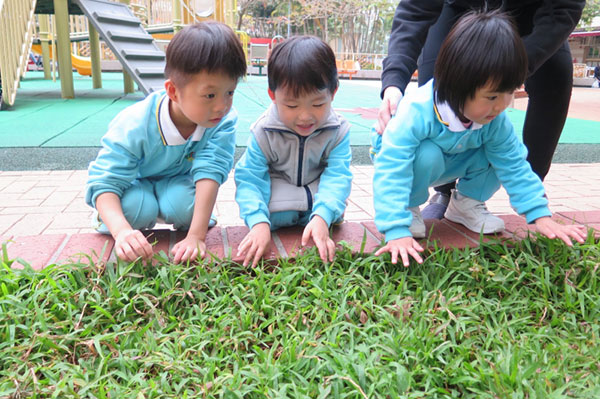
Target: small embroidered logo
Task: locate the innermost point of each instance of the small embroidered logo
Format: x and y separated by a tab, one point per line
190	157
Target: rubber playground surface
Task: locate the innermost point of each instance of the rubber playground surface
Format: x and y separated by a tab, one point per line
41	118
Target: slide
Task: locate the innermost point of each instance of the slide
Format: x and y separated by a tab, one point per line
83	65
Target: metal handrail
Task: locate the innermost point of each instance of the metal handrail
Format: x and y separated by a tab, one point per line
16	34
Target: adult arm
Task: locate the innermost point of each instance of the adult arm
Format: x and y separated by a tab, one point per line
412	21
553	22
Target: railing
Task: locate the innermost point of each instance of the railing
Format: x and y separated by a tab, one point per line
16	34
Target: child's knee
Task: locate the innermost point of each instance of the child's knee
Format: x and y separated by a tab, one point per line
176	201
140	206
284	219
428	154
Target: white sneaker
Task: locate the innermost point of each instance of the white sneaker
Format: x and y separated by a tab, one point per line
417	227
472	214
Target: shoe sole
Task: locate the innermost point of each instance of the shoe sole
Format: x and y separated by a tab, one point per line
482	230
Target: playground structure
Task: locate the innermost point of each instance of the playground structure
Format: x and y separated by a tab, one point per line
124	26
134	34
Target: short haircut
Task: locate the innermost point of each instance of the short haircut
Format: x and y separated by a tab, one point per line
302	64
204	47
482	47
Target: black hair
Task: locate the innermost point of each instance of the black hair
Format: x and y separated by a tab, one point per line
204	47
483	47
302	64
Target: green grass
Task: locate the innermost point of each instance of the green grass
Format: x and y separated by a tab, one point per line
493	322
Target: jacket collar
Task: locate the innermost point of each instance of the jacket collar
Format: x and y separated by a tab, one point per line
169	133
274	123
447	117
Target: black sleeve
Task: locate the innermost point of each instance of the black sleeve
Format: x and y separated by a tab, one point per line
412	21
553	22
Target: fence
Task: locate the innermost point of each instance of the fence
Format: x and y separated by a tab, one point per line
16	34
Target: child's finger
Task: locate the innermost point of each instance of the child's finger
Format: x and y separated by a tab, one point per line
417	246
306	236
331	249
404	255
144	247
177	253
242	248
250	252
382	250
394	253
413	252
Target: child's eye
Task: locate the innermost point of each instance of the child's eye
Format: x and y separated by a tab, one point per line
210	95
291	106
230	93
318	105
492	98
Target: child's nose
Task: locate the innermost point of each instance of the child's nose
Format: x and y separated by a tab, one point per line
221	105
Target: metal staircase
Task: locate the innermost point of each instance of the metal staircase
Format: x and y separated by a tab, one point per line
122	31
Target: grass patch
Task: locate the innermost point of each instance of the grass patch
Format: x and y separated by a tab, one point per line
492	322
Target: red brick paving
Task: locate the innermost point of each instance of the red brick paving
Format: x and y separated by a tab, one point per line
64	237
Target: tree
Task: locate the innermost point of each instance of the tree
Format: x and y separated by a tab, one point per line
591	11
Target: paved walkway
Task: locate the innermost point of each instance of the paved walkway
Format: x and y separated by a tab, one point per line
44	219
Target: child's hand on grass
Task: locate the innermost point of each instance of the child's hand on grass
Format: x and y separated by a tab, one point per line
255	244
131	244
551	229
404	246
188	249
319	231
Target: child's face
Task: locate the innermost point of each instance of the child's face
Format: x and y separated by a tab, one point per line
486	104
303	114
204	100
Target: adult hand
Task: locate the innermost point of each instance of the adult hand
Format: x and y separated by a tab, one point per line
404	246
188	249
391	97
255	244
131	244
551	229
319	231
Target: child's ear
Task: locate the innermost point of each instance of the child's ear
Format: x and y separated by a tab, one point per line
333	94
271	94
171	90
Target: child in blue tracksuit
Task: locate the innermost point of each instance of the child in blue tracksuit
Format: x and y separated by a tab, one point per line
455	127
296	169
166	156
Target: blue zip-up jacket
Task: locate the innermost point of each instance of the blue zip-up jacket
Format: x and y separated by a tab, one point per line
416	120
135	147
282	170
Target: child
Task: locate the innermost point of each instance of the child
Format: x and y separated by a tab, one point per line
296	169
167	155
454	127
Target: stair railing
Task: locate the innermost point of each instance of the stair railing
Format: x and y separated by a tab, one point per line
17	25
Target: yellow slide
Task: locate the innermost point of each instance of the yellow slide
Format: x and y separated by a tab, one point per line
82	64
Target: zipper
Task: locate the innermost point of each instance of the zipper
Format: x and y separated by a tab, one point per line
309	197
302	140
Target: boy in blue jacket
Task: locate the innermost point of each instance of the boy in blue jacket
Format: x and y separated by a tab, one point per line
167	155
296	168
455	127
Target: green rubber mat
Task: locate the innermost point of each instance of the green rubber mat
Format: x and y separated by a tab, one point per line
41	118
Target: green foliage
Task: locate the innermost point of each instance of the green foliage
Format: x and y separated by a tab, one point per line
500	321
591	11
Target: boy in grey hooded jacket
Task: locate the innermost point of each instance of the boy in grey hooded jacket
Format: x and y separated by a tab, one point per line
296	168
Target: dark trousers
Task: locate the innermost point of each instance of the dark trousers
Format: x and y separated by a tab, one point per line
549	89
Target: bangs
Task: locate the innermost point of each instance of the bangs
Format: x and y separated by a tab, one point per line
302	64
482	48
